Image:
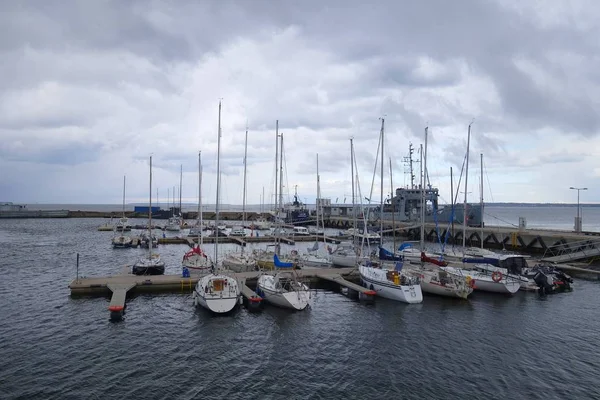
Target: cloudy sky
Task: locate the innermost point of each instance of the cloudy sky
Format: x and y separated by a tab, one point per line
90	89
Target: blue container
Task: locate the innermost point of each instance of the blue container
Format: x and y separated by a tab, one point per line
186	272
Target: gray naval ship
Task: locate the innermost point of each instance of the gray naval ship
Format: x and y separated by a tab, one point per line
406	206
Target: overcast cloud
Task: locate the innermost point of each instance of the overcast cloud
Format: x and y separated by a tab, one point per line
90	89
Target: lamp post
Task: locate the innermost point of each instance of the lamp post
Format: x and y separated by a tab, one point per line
578	218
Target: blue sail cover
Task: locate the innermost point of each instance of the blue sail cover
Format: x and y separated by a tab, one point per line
481	260
405	246
280	264
388	255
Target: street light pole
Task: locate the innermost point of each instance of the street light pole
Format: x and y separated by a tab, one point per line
578	218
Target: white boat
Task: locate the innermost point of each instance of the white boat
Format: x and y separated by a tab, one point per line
123	225
440	282
121	242
312	259
316	231
174	224
146	241
284	290
217	293
486	282
345	255
237	231
151	264
391	284
262	224
195	231
300	231
362	235
197	260
239	263
409	252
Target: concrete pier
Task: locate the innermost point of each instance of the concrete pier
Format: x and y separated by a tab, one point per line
120	285
242	241
355	290
117	302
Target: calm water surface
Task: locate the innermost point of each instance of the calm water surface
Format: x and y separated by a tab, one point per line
56	347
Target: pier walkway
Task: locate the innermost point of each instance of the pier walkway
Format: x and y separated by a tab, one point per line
124	283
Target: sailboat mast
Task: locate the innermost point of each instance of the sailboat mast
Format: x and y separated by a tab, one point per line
381	195
245	166
281	173
199	198
276	166
180	190
218	187
318	195
352	171
393	205
452	201
124	196
422	209
481	198
464	236
150	214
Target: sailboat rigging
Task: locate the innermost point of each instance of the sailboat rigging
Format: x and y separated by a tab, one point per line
152	264
196	258
217	292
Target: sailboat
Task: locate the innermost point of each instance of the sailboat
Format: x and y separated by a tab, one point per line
434	280
313	258
123	224
196	258
284	288
392	284
346	254
241	262
152	264
122	241
484	281
217	292
175	223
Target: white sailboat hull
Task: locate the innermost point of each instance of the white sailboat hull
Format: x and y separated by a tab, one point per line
217	299
509	287
239	264
344	261
375	280
485	283
443	290
295	300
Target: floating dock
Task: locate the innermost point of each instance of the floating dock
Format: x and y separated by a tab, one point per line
119	286
242	241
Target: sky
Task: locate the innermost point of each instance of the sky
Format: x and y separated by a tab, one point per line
89	90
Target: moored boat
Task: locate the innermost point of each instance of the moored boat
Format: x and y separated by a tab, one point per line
284	288
391	284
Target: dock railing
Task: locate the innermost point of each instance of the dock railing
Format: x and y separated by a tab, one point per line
570	251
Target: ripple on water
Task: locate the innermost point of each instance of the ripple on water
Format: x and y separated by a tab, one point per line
57	347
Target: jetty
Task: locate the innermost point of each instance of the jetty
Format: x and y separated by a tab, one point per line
243	240
121	285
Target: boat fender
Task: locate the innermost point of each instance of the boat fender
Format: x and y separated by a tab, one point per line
497	276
